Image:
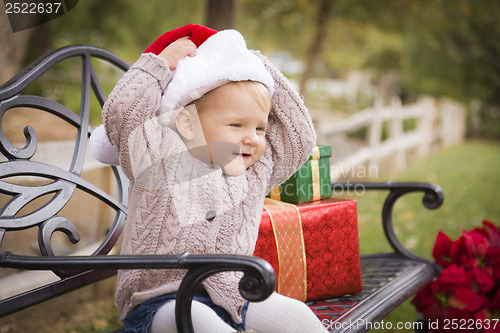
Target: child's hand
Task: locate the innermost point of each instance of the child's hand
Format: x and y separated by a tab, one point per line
177	50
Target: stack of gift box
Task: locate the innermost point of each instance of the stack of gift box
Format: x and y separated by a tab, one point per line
310	239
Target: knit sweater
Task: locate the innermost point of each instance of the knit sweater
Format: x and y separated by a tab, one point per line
171	191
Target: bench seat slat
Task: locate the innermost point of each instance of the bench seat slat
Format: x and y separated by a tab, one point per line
381	294
52	290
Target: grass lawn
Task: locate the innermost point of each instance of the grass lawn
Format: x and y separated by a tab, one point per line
469	175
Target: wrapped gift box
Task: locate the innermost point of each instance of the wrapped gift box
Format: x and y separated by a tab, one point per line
313	247
310	182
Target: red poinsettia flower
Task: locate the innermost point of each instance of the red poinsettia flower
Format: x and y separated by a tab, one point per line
478	247
449	292
459	253
467	300
476	243
483	321
484	278
468	287
442	250
492	260
487	316
493	233
450	279
492	256
436	307
495	303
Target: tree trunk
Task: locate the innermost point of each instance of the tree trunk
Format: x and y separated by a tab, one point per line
317	44
220	14
13	48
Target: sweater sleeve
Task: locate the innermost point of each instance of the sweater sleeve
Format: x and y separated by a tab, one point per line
290	136
134	100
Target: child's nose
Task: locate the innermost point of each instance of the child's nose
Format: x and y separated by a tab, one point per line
250	138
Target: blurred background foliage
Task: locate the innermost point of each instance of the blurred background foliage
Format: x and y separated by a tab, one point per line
434	47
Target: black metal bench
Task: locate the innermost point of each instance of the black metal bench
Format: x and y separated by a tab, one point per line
388	279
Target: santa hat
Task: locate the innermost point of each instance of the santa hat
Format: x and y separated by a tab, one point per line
221	57
197	34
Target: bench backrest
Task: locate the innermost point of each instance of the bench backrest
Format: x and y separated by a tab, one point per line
38	191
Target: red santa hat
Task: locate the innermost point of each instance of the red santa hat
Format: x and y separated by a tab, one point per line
197	34
221	57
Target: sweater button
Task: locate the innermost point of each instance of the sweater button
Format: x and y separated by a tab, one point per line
210	215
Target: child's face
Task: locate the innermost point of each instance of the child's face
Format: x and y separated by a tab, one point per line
234	129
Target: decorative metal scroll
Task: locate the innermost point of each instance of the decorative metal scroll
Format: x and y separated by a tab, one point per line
433	198
62	182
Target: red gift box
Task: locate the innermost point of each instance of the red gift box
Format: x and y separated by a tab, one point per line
329	264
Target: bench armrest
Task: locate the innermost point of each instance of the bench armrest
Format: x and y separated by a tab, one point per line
432	199
257	284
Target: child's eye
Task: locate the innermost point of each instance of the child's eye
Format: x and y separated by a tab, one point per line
235	125
261	129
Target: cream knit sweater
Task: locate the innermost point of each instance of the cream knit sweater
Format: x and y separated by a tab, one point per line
170	191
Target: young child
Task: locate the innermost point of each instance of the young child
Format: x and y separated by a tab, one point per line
204	129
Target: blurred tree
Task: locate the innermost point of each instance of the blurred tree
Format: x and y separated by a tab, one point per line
318	40
448	48
445	47
125	27
455	50
13	47
128	26
220	14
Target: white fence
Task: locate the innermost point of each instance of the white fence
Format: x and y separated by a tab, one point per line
436	123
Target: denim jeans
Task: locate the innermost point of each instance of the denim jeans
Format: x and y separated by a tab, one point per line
141	318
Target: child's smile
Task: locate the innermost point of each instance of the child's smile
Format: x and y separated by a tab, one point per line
244	155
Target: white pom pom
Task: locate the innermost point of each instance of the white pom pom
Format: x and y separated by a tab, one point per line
101	148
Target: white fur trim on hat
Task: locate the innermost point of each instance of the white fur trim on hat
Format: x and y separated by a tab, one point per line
222	58
101	148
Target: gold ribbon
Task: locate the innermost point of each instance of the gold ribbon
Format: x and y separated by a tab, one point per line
316	187
275	193
287	228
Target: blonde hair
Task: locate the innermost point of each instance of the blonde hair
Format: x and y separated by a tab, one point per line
257	90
